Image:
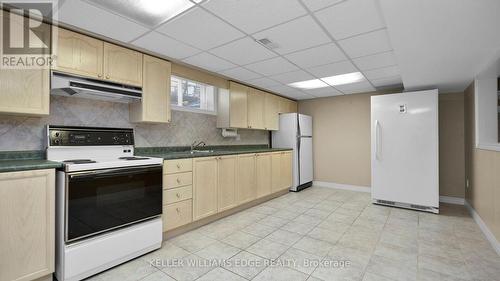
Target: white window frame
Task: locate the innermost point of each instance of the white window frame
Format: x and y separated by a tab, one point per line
195	110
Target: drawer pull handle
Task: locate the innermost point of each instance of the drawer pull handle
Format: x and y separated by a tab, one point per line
178	180
178	195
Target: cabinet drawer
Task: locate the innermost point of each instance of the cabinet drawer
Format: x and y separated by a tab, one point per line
177	194
177	166
177	214
176	180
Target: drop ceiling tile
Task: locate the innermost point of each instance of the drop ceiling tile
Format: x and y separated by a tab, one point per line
350	18
93	19
295	35
294	76
376	61
332	69
209	62
240	73
366	44
200	29
314	5
382	72
164	45
323	92
299	95
281	89
263	82
243	51
317	56
354	88
272	66
387	81
254	15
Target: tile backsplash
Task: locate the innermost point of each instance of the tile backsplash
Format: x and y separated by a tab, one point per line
28	133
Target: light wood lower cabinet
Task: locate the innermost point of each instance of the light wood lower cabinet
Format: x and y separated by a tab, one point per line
286	170
177	214
276	182
246	181
27	214
263	174
204	187
227	167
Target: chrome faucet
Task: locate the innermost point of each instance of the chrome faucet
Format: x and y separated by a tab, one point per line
196	145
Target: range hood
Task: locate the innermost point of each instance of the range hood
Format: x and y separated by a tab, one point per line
74	86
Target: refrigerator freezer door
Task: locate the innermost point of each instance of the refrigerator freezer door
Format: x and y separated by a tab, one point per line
305	160
405	148
305	125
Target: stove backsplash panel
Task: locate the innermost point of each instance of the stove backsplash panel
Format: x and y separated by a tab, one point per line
28	133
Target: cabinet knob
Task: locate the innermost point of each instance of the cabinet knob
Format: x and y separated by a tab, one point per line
178	166
178	180
107	76
178	210
178	195
99	75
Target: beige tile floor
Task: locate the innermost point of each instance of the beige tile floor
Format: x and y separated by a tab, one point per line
323	234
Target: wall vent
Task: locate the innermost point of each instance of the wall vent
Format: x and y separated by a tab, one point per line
268	43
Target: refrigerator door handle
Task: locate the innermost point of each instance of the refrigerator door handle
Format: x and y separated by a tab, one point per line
378	140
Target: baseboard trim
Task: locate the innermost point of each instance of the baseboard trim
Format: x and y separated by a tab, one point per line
452	200
342	186
484	228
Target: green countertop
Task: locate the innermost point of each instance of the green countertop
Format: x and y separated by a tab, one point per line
12	161
168	155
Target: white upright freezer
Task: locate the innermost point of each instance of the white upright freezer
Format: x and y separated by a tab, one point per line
295	131
405	150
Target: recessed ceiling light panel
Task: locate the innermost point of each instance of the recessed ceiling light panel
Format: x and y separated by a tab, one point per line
309	84
148	12
342	79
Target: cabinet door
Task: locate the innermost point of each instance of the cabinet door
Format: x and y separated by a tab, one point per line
238	105
79	54
255	109
122	65
247	190
271	112
155	104
276	182
287	106
27	205
292	106
227	182
24	91
286	170
264	174
204	187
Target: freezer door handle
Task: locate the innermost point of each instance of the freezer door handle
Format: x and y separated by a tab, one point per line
378	140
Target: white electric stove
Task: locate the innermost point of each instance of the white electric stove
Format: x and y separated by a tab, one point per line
108	201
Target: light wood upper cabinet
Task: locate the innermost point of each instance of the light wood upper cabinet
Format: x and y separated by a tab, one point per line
155	104
24	91
263	174
256	100
27	208
271	112
79	54
122	65
276	182
247	190
286	170
204	187
238	117
287	106
227	182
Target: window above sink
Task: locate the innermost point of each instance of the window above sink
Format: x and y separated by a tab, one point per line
189	95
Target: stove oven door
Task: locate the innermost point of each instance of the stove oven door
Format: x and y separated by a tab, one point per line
102	200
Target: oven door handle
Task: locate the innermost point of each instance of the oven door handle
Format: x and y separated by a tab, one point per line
113	172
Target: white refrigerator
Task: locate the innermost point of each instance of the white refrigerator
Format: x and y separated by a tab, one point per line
295	132
405	150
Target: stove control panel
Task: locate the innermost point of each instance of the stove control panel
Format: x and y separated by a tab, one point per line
88	136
